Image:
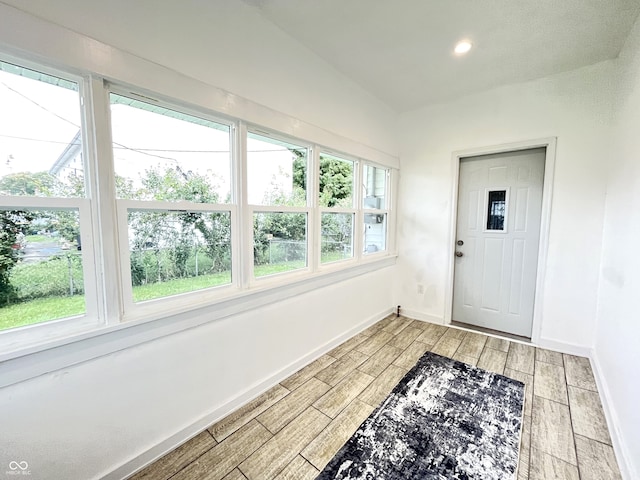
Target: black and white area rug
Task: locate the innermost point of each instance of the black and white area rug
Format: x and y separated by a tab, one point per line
444	420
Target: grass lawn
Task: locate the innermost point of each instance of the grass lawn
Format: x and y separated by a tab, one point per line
264	270
40	239
40	310
180	285
55	307
327	257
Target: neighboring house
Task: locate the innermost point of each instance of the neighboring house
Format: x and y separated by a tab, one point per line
70	160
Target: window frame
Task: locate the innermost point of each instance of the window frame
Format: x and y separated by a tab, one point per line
40	334
178	303
251	209
181	301
386	212
354	210
103	225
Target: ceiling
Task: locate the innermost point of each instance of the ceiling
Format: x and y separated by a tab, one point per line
402	51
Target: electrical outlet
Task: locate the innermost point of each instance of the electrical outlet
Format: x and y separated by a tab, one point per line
420	289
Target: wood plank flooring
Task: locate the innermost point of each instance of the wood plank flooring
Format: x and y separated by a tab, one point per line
294	429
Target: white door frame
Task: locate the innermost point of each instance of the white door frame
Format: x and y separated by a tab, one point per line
547	190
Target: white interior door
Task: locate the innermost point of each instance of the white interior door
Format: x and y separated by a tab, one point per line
498	232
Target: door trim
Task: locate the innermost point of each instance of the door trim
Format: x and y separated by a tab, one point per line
549	144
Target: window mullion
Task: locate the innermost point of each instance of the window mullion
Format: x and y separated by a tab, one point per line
313	220
101	185
358	231
391	210
244	234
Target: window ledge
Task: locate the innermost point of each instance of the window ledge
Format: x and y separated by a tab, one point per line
23	364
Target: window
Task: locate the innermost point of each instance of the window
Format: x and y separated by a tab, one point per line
279	242
337	237
336	199
197	219
277	177
45	273
496	208
173	180
374	203
336	181
276	172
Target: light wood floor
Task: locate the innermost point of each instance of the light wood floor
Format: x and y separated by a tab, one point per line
294	429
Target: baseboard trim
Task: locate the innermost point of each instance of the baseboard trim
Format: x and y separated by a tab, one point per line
623	456
564	347
423	317
152	454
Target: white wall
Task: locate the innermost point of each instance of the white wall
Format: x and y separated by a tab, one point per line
575	107
83	422
617	347
89	419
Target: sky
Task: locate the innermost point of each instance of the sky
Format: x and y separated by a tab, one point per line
38	120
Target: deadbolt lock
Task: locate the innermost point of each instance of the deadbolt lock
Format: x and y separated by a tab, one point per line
460	242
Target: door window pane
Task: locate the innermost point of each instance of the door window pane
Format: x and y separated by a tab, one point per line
40	141
336	182
178	252
374	187
166	155
279	242
337	237
375	232
496	207
41	277
276	172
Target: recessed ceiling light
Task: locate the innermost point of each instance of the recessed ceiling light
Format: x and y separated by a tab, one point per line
462	47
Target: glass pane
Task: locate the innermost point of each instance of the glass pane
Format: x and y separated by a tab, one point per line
178	252
40	141
337	237
336	182
374	187
41	275
496	209
162	154
276	172
375	232
279	242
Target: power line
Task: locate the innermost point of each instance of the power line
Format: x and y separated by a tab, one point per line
168	150
143	151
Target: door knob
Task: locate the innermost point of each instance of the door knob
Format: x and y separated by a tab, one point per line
459	254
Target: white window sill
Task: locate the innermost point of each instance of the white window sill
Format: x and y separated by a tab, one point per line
23	364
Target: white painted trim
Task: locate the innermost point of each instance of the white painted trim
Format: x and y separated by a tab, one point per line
620	448
101	187
25	363
140	461
562	347
549	144
423	317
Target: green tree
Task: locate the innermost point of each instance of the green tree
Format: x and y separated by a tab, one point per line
13	223
44	184
164	242
40	184
336	182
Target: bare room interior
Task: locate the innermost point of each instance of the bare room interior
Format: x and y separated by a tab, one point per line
225	216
